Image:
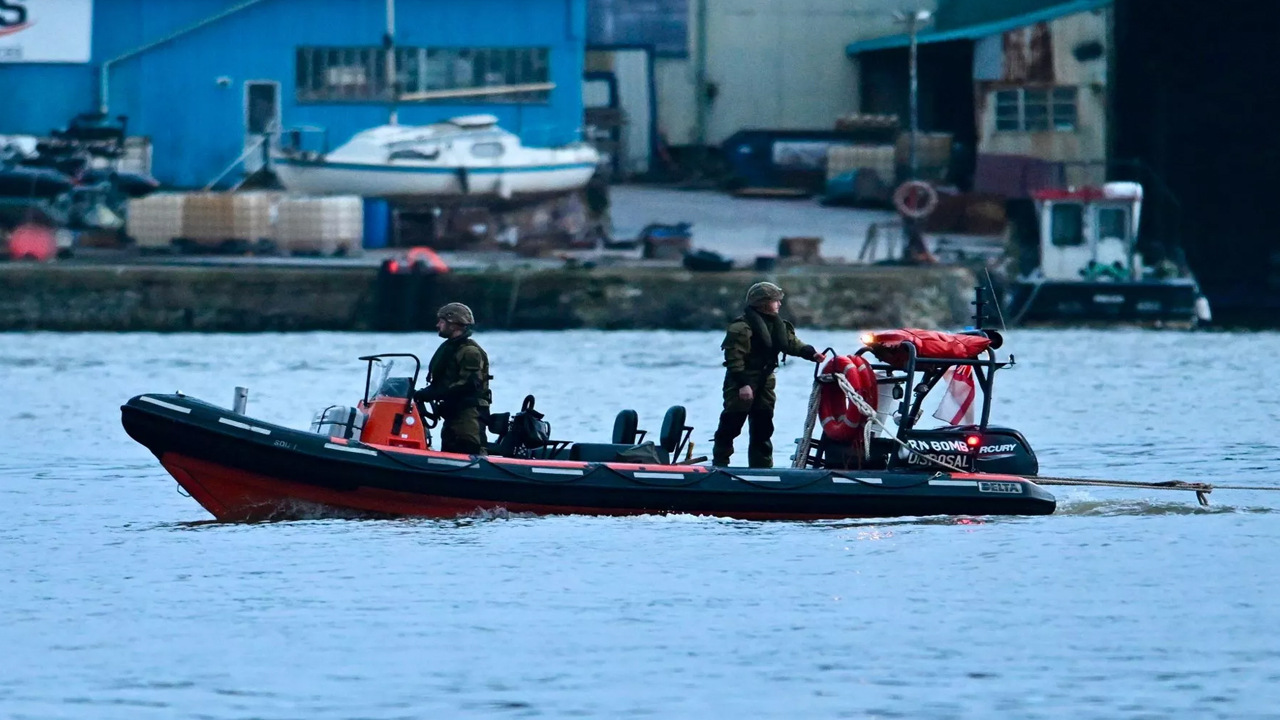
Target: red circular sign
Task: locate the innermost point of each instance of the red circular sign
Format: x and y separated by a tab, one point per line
915	199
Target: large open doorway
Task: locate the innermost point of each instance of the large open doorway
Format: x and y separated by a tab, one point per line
618	92
945	95
261	121
1193	100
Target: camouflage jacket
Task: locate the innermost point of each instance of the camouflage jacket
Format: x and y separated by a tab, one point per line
751	352
458	376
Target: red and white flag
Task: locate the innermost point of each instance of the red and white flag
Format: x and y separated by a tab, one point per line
958	402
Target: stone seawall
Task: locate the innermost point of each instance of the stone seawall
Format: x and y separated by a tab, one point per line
256	298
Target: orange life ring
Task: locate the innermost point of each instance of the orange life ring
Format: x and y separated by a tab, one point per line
841	419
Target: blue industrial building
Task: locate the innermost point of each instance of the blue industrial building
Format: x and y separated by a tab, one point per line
200	77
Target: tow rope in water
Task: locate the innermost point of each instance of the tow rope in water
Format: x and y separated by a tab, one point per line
1201	489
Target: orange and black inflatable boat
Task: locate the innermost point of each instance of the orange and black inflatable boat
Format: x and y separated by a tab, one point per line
375	460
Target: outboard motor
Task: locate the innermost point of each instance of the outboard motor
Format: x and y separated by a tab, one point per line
994	450
339	422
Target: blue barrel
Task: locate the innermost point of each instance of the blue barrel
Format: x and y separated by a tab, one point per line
377	223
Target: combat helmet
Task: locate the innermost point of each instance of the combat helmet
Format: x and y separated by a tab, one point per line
763	292
456	313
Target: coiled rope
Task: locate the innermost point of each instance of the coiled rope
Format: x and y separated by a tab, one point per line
806	441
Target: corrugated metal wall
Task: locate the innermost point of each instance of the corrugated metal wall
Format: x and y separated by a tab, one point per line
1047	55
197	126
775	64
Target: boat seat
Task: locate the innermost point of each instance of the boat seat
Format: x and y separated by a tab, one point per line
607	452
674	433
625	427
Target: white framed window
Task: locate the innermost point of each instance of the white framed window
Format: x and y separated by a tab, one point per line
1067	224
1037	109
359	74
1113	223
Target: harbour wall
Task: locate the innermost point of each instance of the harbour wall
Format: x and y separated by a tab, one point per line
264	298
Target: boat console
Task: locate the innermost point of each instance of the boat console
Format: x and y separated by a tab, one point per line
387	416
903	366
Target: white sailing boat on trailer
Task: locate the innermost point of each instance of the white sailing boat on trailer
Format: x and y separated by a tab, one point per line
462	157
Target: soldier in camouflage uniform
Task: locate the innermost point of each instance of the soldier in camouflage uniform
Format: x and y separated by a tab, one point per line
458	383
751	347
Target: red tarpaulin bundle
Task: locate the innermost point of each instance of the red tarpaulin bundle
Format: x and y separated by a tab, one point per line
888	345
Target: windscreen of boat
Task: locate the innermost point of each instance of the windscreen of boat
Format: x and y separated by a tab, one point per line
390	379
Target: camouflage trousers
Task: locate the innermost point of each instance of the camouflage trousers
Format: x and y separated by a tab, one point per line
757	413
463	432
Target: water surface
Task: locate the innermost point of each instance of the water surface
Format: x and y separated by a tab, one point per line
121	600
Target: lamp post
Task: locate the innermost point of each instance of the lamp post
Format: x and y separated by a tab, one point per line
915	250
914	19
389	42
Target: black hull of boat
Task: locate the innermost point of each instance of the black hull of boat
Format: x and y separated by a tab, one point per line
241	469
1102	302
29	183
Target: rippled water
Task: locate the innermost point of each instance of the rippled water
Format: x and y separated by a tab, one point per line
120	600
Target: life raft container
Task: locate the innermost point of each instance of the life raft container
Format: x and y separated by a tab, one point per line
890	345
841	420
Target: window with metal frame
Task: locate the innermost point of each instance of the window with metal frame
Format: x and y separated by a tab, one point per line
1037	109
359	74
1113	223
1066	226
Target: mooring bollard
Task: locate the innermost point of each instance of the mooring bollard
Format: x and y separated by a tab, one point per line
242	400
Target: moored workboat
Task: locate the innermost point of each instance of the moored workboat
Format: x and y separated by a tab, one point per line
1089	269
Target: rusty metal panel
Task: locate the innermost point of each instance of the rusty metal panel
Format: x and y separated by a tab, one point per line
1064	51
1063	62
1028	55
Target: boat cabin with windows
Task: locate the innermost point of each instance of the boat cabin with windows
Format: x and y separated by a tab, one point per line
1087	233
1089	268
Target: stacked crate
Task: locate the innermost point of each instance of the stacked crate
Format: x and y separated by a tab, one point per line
845	158
156	220
244	221
933	155
233	221
325	226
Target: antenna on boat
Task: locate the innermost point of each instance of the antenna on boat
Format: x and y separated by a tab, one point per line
979	303
393	80
995	300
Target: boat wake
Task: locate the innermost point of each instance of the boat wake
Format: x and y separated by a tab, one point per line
1087	506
